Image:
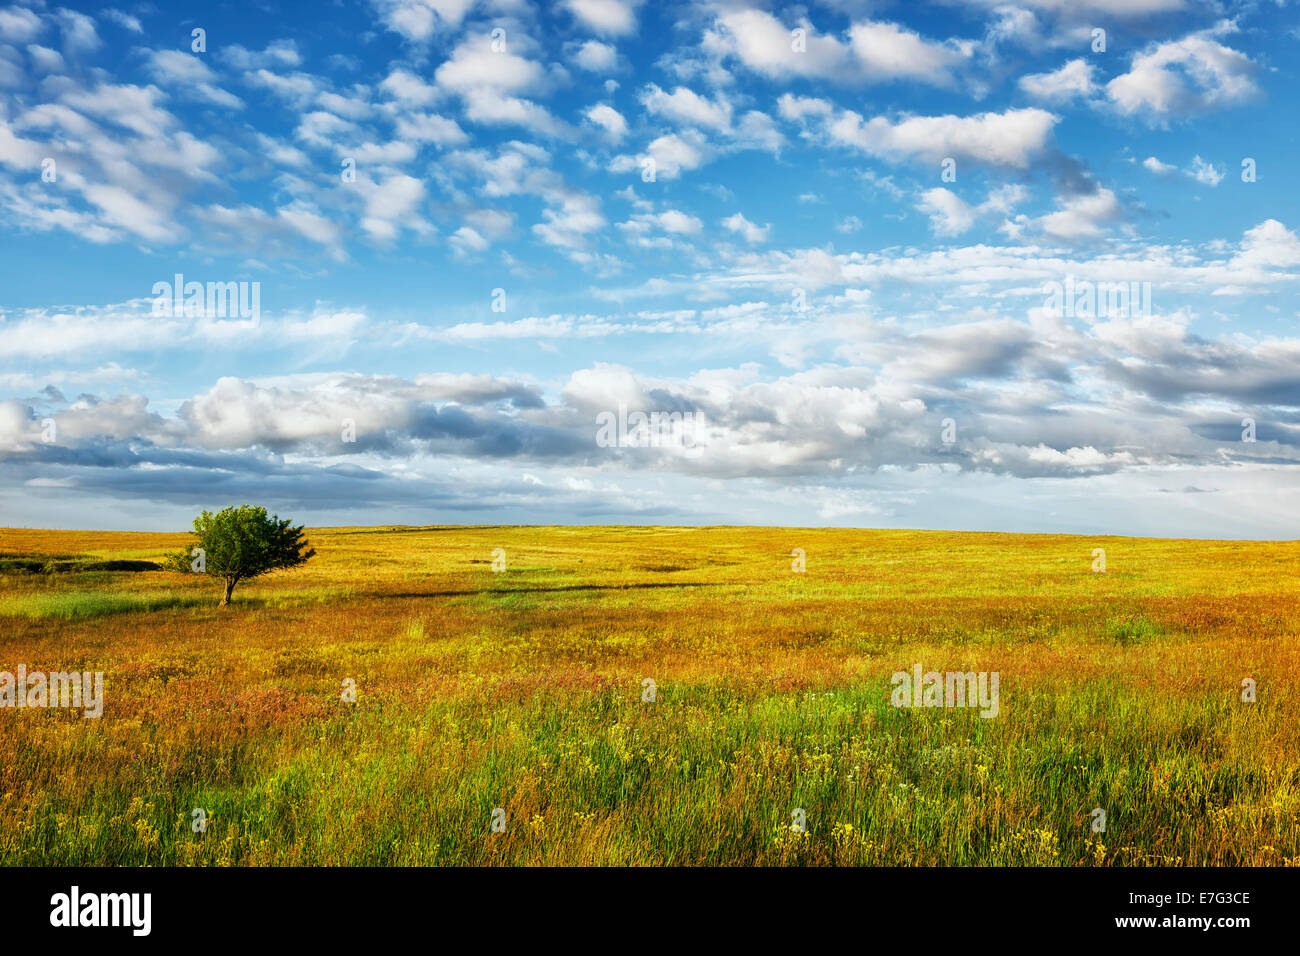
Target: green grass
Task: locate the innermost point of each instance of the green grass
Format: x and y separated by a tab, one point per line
1131	631
71	605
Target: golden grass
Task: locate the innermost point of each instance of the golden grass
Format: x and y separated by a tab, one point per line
523	691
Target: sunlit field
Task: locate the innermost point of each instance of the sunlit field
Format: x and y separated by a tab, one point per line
525	690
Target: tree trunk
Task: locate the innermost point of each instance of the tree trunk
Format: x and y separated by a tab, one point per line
230	586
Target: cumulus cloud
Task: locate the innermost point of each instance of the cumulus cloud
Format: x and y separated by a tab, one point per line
419	20
19	25
872	51
671	154
608	119
687	107
614	17
596	57
950	215
749	231
1263	258
1206	173
488	81
1013	138
188	74
1083	216
1072	80
1014	386
1157	167
1191	75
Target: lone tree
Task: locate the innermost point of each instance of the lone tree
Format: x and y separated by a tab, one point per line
240	543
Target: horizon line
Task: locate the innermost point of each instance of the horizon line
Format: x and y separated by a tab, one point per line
700	527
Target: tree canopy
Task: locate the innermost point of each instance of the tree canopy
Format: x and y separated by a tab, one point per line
236	544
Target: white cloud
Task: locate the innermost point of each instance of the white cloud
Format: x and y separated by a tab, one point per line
121	208
949	214
757	130
749	231
1011	138
132	107
280	53
430	128
608	119
1124	9
19	25
491	108
311	224
467	240
687	106
674	220
125	20
407	88
872	51
188	74
78	31
45	59
616	17
886	51
799	108
418	20
1261	260
672	154
322	130
1084	216
298	89
391	205
596	57
671	222
475	66
1270	245
1190	75
1071	80
568	222
1204	172
764	44
486	81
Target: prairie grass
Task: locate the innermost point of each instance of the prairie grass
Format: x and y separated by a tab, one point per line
77	604
523	691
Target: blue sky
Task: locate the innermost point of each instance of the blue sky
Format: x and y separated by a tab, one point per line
829	232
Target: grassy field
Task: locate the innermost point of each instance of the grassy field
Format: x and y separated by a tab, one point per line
523	690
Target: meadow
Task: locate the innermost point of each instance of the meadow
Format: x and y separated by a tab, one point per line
521	697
